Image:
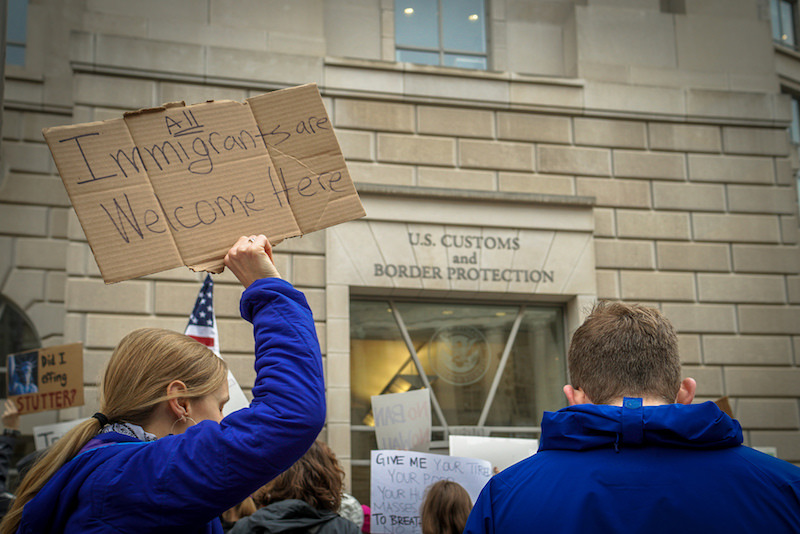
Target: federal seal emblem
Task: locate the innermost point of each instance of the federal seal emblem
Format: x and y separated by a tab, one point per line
459	354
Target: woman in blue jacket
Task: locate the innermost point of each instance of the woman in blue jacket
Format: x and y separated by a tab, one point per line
158	457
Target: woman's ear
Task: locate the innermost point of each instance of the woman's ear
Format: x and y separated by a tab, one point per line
176	404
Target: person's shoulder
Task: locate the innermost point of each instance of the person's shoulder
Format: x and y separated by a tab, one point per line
769	464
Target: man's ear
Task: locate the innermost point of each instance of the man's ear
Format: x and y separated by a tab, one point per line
686	393
176	404
576	396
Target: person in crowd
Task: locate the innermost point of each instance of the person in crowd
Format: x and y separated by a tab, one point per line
367	518
305	498
8	441
632	454
445	508
158	457
351	509
230	516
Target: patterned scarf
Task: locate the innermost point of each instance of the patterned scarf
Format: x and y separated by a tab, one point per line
129	429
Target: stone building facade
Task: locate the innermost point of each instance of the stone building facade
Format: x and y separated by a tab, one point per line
613	149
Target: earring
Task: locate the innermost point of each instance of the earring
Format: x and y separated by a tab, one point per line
182	419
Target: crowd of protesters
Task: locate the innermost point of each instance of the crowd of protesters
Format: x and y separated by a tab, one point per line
630	452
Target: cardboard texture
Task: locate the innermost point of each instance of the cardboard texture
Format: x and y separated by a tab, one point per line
46	379
178	185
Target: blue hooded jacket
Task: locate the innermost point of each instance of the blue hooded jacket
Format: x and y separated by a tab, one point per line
671	468
181	483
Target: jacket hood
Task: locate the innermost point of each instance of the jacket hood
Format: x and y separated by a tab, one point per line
289	515
589	426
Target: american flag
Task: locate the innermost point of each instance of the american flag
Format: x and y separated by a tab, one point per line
203	327
202	322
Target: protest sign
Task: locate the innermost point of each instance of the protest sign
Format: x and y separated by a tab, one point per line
46	435
403	420
46	379
177	185
500	452
399	478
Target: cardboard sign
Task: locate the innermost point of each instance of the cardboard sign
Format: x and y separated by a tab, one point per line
398	480
403	420
500	452
46	379
46	435
177	185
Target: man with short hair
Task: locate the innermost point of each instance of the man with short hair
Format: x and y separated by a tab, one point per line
630	453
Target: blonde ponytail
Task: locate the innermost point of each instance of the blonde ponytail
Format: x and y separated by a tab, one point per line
135	382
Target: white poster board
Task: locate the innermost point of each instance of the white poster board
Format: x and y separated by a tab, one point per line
399	478
403	420
46	435
500	452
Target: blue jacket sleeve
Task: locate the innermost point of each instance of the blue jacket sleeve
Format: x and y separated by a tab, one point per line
192	477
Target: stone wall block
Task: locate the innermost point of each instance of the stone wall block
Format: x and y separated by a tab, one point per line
607	284
747	350
762	382
23	220
416	149
758	141
381	173
90	295
149	55
27	157
693	256
616	193
755	319
56	287
355	145
741	288
731	169
701	318
544	184
684	137
654	165
759	199
736	228
652	225
121	93
765	259
381	116
309	271
496	155
456	179
767	414
42	253
517	126
709	380
453	121
293	69
568	160
604	222
24	287
692	197
610	133
657	286
48	318
622	254
689	348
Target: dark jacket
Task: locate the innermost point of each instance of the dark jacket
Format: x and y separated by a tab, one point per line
653	469
181	483
293	517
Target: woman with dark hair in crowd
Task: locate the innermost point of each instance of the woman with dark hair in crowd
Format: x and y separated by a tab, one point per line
158	457
445	509
305	498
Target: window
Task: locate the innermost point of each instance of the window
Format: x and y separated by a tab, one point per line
794	134
16	335
784	17
441	32
16	30
493	367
